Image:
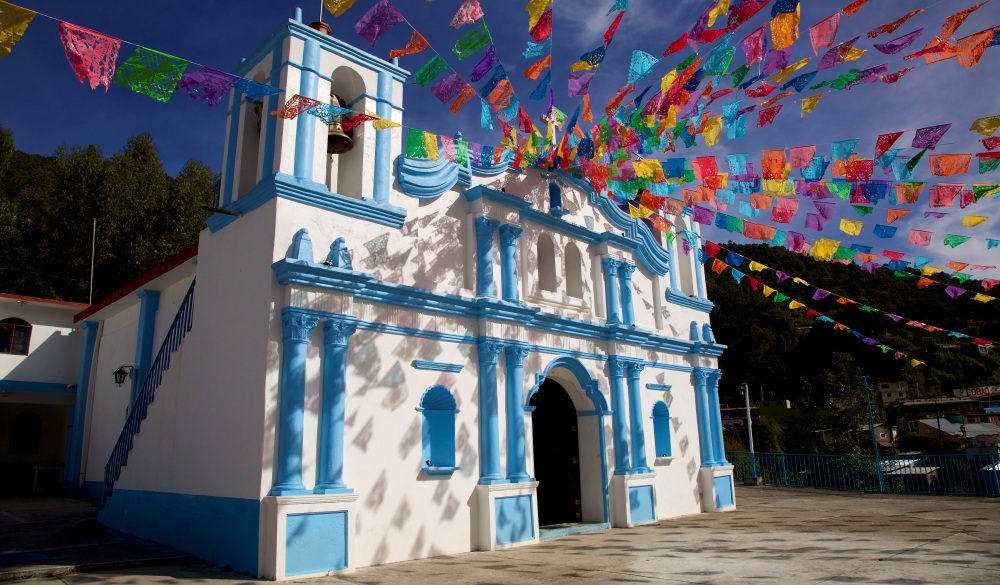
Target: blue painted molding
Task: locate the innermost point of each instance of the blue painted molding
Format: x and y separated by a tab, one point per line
437	366
676	297
149	303
515	519
308	193
378	102
316	542
425	179
659	387
305	126
16	386
492	170
587	382
74	443
310	69
365	287
383	142
339	47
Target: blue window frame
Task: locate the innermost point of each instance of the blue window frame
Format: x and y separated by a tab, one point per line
438	410
661	429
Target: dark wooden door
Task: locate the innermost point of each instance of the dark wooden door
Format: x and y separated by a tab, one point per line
557	455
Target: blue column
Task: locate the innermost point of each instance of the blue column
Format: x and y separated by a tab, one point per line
295	328
635	419
489	414
619	427
715	418
610	266
74	447
508	262
673	263
705	435
485	284
305	130
517	470
383	140
625	271
148	304
699	268
330	464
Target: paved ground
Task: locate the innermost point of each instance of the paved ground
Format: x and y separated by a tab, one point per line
777	536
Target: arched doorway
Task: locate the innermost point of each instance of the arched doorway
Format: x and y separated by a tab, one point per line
555	435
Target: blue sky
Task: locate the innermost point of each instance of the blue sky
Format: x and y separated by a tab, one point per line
44	105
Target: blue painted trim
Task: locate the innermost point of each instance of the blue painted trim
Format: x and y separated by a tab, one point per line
485	281
229	170
625	271
641	501
493	170
270	136
295	328
609	267
353	54
619	424
724	496
308	193
508	262
515	519
330	451
587	382
418	333
149	303
425	179
437	366
16	386
677	297
659	387
489	415
366	287
315	543
705	434
715	416
440	471
383	141
517	471
571	530
379	101
222	531
604	468
305	128
501	197
637	430
74	446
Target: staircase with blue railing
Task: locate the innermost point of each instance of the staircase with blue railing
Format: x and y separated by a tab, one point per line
175	335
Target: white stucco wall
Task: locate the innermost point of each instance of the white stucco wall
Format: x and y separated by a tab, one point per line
54	347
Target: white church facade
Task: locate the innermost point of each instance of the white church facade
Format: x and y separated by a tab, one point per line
369	358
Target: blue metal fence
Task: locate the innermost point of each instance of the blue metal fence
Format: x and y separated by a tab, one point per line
968	475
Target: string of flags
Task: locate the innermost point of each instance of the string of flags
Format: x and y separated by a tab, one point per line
734	261
93	57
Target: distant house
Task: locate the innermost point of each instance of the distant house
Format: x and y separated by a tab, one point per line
954	430
983	445
39	362
890	392
905	414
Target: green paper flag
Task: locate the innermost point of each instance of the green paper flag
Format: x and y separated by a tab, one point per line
868	309
683	64
738	75
961	277
980	191
841	189
863	210
780	298
436	66
903	274
474	40
988	165
844	253
462	152
151	73
912	163
416	146
955	241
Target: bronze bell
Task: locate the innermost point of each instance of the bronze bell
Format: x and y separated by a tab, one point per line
338	141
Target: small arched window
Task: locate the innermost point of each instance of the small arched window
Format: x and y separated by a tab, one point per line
546	263
661	429
15	336
25	434
438	410
555	200
574	271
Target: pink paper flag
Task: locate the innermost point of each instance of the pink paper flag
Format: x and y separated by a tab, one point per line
91	54
824	32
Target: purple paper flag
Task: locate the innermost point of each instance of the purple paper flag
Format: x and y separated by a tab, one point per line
795	241
207	84
825	209
485	64
579	83
702	215
379	19
836	54
782	277
896	45
448	88
815	222
820	294
954	292
776	60
895	318
928	137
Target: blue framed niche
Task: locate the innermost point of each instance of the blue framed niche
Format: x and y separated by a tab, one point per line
437	431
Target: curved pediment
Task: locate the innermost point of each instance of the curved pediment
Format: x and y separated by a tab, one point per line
427	179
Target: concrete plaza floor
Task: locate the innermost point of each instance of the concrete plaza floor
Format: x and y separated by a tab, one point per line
776	535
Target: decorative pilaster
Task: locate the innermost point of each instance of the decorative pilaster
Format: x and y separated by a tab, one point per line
383	140
625	271
305	129
295	328
485	284
715	418
638	432
74	446
508	262
705	434
489	415
330	458
149	304
699	267
516	466
616	367
610	266
672	268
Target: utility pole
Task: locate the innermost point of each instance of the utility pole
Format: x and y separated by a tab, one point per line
753	479
871	425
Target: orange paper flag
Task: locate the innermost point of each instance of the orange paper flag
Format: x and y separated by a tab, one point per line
536	68
417	43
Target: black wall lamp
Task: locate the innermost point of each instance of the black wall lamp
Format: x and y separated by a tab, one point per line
122	373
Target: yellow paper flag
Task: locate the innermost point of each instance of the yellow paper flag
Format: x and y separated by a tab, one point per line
986	126
851	226
431	143
983	298
756	266
973	220
581	66
647	168
712	131
768	291
916	363
824	249
785	29
338	7
798	280
783	75
721	9
14	20
535	10
929	270
795	305
809	103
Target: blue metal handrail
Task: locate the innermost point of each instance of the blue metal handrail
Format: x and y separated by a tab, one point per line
175	335
969	475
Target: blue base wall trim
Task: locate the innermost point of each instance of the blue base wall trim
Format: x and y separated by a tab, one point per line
724	497
640	502
515	519
223	531
315	543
